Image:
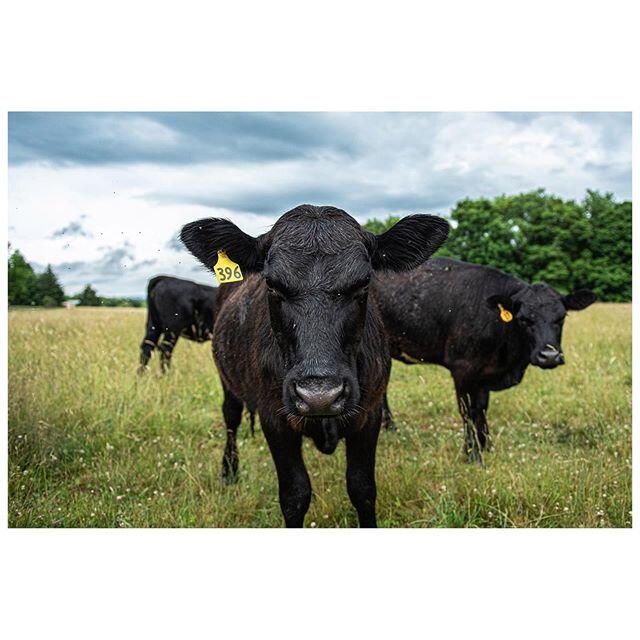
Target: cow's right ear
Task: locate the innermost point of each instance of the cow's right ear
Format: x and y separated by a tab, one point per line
579	300
408	243
204	238
506	302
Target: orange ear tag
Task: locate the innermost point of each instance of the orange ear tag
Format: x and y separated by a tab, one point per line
227	270
505	315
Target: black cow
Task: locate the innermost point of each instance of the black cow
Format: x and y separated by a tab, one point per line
175	308
484	325
302	341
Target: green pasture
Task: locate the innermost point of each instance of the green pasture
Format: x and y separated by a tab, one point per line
92	444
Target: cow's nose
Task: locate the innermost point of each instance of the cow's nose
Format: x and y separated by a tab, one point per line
320	396
549	357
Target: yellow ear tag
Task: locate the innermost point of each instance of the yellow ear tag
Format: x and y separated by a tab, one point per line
505	316
227	270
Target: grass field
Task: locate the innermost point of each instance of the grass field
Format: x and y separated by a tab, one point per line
91	444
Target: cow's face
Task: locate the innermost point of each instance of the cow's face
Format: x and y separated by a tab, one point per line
317	263
539	312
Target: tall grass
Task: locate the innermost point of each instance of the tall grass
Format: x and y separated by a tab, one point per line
91	444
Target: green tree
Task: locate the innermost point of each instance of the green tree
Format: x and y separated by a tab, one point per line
22	281
50	293
485	232
555	238
609	272
540	237
88	297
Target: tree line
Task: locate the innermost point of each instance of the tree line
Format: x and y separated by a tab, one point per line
540	237
28	288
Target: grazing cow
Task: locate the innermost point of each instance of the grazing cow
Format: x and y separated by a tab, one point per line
302	341
175	308
484	325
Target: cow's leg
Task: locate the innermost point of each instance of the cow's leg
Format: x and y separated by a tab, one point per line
148	345
387	416
479	406
232	412
361	462
252	422
293	480
166	349
472	448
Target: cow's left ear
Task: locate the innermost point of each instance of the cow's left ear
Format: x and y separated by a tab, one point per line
579	299
408	243
204	238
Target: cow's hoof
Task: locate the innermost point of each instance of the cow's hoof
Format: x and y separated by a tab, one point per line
141	369
473	456
229	477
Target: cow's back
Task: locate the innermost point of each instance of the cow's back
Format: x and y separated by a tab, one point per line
438	313
177	304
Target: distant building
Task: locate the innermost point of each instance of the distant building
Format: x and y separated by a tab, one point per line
70	304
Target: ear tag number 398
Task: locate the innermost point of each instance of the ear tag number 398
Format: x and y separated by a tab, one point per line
505	314
227	270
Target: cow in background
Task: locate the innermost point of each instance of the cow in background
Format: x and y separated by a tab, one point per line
176	308
485	326
179	308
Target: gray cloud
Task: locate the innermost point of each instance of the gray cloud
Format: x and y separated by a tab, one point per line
74	228
112	265
358	201
170	138
137	266
359	196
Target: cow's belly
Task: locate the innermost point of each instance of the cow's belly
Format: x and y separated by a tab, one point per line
197	333
489	370
411	353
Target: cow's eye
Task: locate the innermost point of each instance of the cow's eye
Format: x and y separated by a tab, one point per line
275	290
358	290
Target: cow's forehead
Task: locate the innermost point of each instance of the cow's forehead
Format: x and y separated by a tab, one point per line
317	246
541	299
329	270
324	230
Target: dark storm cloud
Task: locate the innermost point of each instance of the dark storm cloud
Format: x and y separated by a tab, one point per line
260	202
170	138
74	228
357	198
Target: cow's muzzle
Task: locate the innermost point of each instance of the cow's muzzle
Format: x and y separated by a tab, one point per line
549	357
320	396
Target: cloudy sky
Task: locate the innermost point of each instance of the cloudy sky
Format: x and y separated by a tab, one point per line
102	196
